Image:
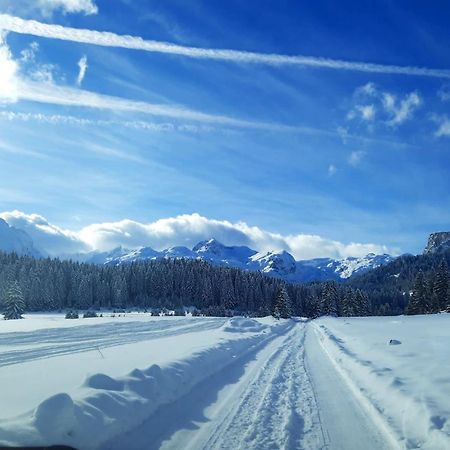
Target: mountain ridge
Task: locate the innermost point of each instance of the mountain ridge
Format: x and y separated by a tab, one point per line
18	241
276	264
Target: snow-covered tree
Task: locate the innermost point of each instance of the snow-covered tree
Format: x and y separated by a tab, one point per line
282	305
418	304
441	286
14	305
330	299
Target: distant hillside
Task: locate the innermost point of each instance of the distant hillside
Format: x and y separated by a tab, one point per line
389	286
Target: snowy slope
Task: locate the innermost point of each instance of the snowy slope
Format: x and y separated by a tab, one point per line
405	385
15	240
328	268
139	382
277	264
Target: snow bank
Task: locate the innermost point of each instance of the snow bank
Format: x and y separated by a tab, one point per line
106	407
244	325
404	387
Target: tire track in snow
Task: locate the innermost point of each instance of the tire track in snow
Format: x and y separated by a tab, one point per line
277	409
64	341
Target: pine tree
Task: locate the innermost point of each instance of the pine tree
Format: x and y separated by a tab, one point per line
348	304
282	305
14	305
418	303
362	303
330	299
441	285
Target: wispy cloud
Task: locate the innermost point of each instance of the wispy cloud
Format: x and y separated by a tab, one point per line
82	65
69	6
46	8
14	86
67	96
8	73
356	157
58	119
108	39
15	150
444	93
332	169
364	112
392	111
400	111
443	125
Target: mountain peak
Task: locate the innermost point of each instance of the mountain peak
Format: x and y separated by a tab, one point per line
15	240
207	245
437	242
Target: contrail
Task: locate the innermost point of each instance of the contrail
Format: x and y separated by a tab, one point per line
107	39
67	96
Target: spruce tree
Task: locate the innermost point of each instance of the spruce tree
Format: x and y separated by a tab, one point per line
14	305
418	303
349	303
441	285
282	305
330	299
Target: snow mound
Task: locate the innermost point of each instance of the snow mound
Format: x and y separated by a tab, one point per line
102	381
55	416
243	325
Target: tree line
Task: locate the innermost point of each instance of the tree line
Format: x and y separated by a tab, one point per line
52	284
409	284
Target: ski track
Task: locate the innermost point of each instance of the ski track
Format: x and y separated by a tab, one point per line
54	342
276	410
270	397
281	391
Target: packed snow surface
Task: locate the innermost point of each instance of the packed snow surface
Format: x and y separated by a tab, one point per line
142	382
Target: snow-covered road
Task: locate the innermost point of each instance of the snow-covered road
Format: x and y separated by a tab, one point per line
206	383
269	398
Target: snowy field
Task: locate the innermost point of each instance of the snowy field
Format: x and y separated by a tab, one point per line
142	382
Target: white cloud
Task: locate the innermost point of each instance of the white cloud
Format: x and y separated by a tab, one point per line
332	169
443	125
108	39
8	73
356	157
444	93
67	96
400	111
39	87
68	6
28	54
365	112
28	64
48	238
186	230
189	229
82	64
46	8
392	111
43	73
58	119
367	89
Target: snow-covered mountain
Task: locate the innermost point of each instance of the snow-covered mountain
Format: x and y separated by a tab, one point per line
328	268
438	242
277	264
15	240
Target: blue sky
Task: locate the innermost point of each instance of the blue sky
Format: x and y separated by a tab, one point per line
350	155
